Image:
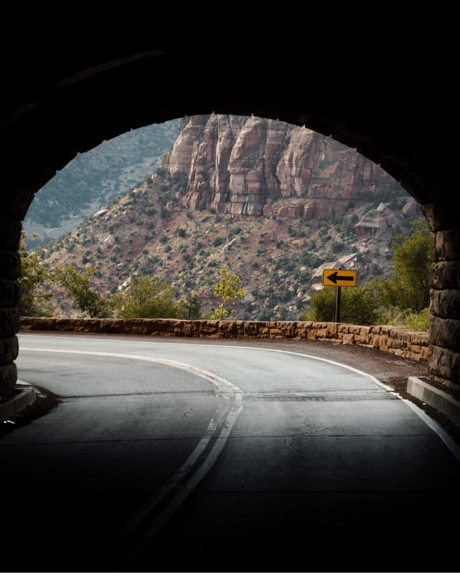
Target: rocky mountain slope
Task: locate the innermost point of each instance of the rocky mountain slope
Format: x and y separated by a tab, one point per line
270	201
94	178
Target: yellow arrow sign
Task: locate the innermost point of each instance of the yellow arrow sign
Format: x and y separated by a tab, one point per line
337	278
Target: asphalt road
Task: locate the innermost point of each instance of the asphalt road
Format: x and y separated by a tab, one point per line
202	456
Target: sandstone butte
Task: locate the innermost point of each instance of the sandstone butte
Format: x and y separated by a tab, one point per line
240	165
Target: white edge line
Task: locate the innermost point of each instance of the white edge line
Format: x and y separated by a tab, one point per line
450	444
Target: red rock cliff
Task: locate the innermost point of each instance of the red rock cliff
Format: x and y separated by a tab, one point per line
240	165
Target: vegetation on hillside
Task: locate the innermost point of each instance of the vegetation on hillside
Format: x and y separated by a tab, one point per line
34	299
146	233
77	285
402	299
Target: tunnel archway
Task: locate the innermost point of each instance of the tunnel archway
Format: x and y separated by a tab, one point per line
52	113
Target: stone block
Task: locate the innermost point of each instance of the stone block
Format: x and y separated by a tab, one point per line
331	330
90	325
10	233
112	326
227	328
321	333
442	214
445	275
250	328
208	327
394	343
8	378
276	333
264	329
9	349
290	329
375	340
445	303
420	338
385	329
363	333
10	265
65	324
447	244
10	293
445	333
444	364
9	321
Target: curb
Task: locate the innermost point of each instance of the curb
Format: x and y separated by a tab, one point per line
20	402
434	397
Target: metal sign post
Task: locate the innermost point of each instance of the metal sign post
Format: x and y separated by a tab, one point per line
339	279
337	305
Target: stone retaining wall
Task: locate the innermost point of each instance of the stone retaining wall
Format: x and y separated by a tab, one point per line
398	341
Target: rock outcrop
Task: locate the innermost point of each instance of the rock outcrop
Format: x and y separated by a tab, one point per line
376	222
243	165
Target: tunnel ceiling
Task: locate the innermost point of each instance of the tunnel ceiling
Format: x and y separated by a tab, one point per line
58	107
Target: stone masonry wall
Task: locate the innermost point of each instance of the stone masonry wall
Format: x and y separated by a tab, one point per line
444	355
398	341
10	268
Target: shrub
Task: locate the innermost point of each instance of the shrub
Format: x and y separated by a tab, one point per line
146	298
419	321
218	241
266	314
358	306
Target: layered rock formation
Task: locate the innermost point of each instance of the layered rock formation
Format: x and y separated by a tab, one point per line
243	165
376	222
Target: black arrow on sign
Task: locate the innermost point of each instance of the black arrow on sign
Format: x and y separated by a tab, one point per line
335	277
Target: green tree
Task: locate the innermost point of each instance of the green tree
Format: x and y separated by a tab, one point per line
148	298
412	258
227	290
358	305
77	285
34	300
191	307
266	314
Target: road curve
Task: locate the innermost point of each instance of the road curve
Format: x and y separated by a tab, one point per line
210	457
